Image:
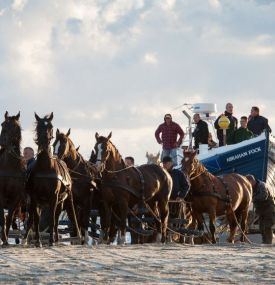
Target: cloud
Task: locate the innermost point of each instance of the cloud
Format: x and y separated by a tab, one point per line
151	58
121	65
18	5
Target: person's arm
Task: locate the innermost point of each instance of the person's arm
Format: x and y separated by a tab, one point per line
204	133
157	133
261	194
181	134
266	126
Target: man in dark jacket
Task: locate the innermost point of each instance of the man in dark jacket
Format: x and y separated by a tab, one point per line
241	134
265	208
201	131
181	184
233	123
167	135
29	160
257	123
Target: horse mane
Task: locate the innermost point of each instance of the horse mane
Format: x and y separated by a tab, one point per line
74	152
117	153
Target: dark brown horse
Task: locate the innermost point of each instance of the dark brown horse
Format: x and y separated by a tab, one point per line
229	194
83	175
49	184
125	187
12	174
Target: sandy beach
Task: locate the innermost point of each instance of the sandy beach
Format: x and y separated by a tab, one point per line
151	264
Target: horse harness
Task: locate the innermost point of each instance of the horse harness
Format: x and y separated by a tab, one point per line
215	194
64	177
116	184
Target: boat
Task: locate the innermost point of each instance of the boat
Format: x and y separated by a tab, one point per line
255	156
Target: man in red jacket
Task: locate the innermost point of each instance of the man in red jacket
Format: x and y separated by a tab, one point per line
167	135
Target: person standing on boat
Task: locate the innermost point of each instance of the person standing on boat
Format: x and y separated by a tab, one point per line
167	134
241	134
201	131
265	208
257	124
232	126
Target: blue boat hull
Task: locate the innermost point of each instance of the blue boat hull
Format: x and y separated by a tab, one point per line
251	158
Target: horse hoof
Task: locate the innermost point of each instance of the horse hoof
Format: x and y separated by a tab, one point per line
38	244
5	244
24	242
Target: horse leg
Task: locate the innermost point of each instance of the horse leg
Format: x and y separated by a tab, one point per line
85	221
104	238
57	214
9	220
232	220
164	213
212	220
72	214
14	224
243	221
52	209
30	222
123	209
36	220
2	225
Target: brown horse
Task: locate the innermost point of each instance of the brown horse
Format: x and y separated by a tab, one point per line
12	173
82	174
125	187
49	184
229	194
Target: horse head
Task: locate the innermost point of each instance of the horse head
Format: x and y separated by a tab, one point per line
11	131
63	146
103	150
188	162
44	131
153	159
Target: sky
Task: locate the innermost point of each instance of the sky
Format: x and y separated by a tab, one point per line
120	65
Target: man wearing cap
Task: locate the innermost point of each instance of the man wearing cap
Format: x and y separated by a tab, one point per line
167	134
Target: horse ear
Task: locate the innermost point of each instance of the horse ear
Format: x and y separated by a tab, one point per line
68	133
50	117
57	132
109	136
17	116
158	154
96	136
77	149
147	154
37	117
6	115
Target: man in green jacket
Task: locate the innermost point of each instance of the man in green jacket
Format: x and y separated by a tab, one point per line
241	134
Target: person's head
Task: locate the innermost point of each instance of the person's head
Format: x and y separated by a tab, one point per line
196	118
28	153
243	122
129	161
167	119
229	108
167	162
255	111
253	181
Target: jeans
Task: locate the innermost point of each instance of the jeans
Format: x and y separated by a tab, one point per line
172	153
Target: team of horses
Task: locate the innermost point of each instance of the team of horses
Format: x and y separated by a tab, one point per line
64	180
